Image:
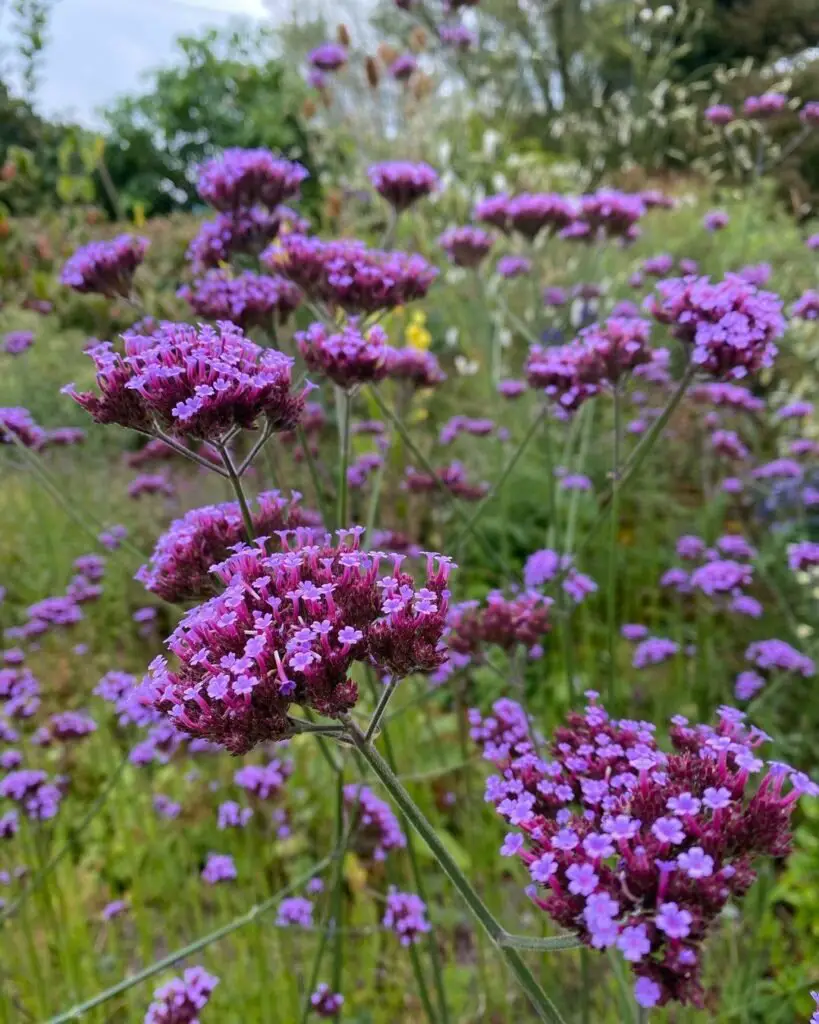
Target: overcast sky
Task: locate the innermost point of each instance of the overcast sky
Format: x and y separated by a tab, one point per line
98	49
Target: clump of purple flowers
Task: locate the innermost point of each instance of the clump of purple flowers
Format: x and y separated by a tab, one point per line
242	178
730	325
778	656
715	220
247	300
348	357
405	914
181	999
328	57
402	183
325	1002
196	382
219	867
466	246
105	267
288	628
235	232
632	848
180	566
418	368
377	830
16	342
346	274
761	107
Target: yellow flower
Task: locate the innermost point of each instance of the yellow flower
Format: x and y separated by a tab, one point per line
416	335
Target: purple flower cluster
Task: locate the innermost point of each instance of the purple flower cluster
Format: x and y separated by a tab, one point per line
349	357
219	867
513	266
453	477
346	274
768	105
421	369
401	183
403	67
239	179
544	565
192	382
326	1003
600	355
105	267
806	306
16	342
715	220
235	232
181	999
32	791
405	914
19	422
376	829
458	36
809	114
803	556
465	425
247	299
730	326
632	848
287	629
296	911
179	569
150	483
264	782
719	113
328	57
466	246
522	620
771	656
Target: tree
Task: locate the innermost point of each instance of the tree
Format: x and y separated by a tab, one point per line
227	90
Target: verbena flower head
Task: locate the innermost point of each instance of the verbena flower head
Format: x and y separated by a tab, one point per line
403	67
421	369
608	350
346	275
794	410
325	1002
715	220
348	357
508	622
235	232
809	114
179	569
247	299
632	848
242	178
453	477
377	831
219	867
730	325
17	342
264	782
610	213
494	210
150	483
181	999
803	556
513	266
31	790
654	650
295	911
778	656
288	628
194	382
531	213
105	267
405	914
659	266
729	444
114	909
65	727
768	105
719	113
19	422
806	306
458	36
328	57
402	183
467	246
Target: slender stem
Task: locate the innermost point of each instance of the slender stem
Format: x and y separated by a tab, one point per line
633	463
380	709
543	1006
342	840
194	947
238	490
254	451
423	991
389	234
585	987
180	449
314	475
498	486
343	406
613	531
549	945
428	467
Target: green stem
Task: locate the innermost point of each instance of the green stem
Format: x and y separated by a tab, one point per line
380	709
342	840
498	486
428	468
312	468
543	1006
423	991
238	490
613	531
194	947
343	405
554	944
